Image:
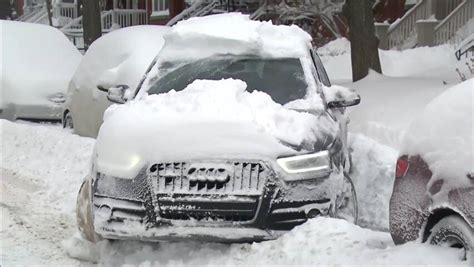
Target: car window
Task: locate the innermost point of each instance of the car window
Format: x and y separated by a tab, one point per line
283	79
323	76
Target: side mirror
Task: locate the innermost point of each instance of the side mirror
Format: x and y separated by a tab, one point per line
341	97
118	94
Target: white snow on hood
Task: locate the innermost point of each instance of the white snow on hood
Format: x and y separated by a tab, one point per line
206	120
443	136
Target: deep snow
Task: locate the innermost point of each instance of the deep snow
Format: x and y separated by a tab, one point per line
40	178
42	168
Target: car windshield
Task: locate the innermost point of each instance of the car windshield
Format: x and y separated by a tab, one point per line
283	78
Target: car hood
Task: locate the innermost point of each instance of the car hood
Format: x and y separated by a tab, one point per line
195	124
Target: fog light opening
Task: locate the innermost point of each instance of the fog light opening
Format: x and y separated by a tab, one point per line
313	213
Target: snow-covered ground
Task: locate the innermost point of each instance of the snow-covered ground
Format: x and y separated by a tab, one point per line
43	166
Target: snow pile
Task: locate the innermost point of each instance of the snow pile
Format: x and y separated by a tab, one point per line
39	62
438	62
373	173
233	33
443	135
388	105
208	119
134	48
30	151
321	241
42	168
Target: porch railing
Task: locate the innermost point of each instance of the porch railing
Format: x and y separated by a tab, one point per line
110	20
404	29
445	31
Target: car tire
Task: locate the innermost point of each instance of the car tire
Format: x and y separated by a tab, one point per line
85	222
452	231
67	121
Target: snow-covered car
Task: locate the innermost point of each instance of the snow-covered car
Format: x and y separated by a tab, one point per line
433	194
234	135
38	62
119	57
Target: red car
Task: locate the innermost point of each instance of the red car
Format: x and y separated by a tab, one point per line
433	194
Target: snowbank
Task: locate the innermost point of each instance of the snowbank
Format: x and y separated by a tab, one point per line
233	33
208	119
443	135
39	62
373	173
321	241
435	62
389	104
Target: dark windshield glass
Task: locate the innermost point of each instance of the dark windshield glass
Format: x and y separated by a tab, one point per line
283	79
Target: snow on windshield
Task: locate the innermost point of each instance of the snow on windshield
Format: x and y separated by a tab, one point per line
232	34
444	136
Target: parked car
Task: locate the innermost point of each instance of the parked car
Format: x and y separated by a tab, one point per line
119	57
38	63
230	138
433	194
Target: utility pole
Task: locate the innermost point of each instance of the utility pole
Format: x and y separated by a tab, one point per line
91	21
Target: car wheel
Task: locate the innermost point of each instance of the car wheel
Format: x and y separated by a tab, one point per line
84	218
67	121
452	231
347	207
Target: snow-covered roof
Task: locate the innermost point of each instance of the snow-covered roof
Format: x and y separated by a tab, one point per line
233	33
120	57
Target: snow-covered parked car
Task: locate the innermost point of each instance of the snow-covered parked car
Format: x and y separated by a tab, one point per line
38	62
234	135
119	57
433	194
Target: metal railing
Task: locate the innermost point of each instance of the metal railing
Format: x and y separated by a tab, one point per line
446	30
110	20
404	28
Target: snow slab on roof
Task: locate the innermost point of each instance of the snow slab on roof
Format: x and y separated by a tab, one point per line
443	135
207	120
38	62
233	33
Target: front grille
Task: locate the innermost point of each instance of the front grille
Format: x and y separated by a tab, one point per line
208	191
247	178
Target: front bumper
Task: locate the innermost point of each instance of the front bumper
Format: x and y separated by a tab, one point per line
253	205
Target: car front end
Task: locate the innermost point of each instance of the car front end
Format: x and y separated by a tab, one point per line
215	200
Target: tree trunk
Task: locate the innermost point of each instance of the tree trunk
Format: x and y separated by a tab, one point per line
364	43
91	21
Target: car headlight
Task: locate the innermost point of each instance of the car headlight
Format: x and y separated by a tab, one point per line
309	166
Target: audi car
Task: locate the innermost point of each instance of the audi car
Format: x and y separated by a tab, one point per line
156	178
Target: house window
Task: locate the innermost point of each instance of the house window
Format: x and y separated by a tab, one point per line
160	8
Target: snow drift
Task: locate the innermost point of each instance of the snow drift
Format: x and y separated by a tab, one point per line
38	63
